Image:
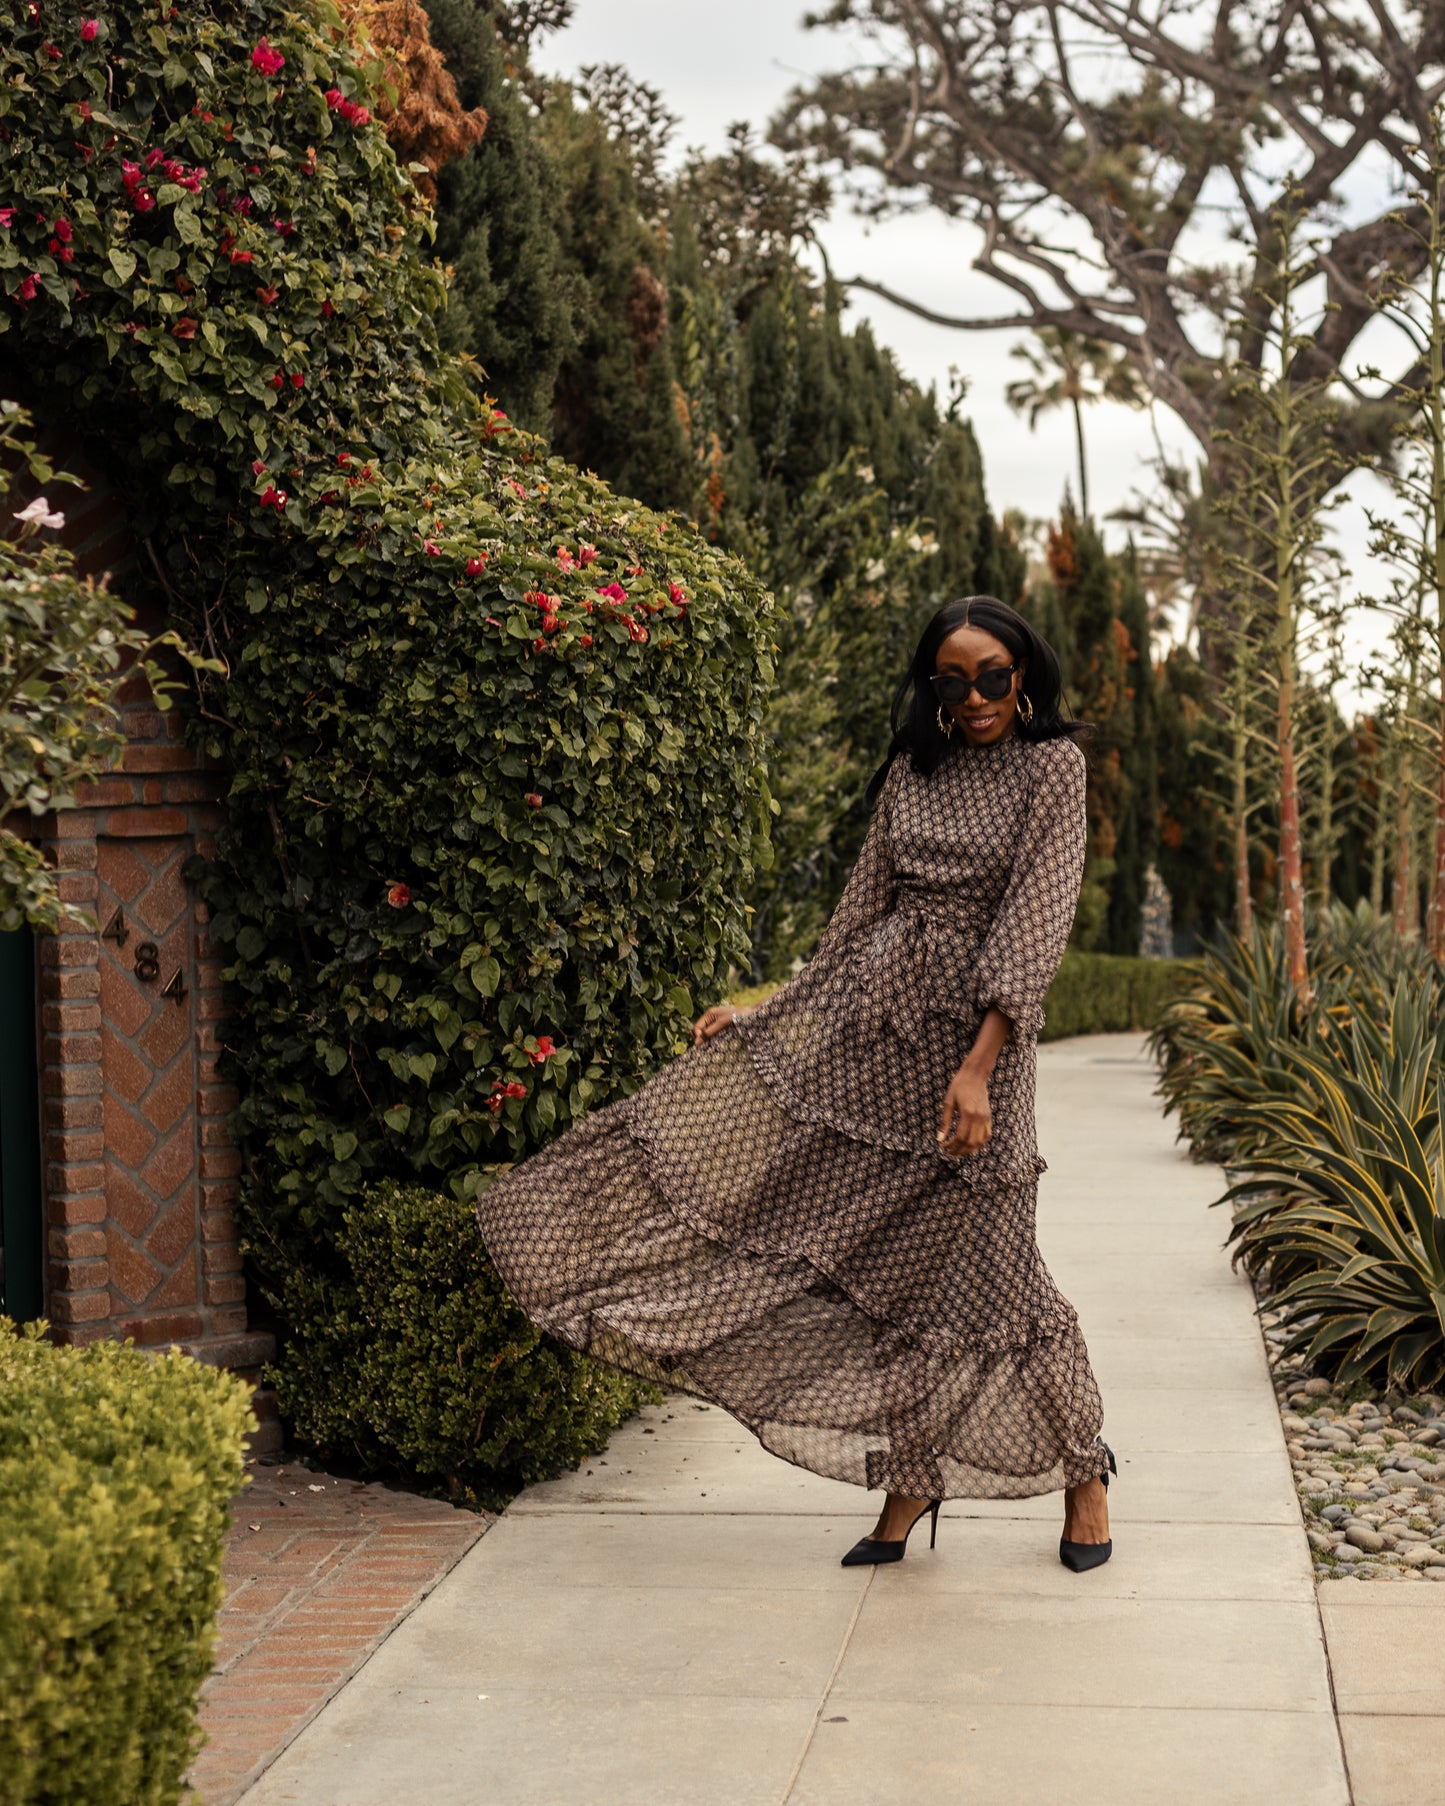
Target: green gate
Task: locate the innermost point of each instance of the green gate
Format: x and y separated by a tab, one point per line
21	1210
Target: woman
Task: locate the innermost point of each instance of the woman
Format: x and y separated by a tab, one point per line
821	1217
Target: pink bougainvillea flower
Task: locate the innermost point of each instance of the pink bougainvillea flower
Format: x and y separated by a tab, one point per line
635	570
143	200
274	498
130	175
89	30
565	560
492	621
33	8
267	60
550	623
516	1089
475	566
132	327
516	487
343	458
613	592
327	310
546	1047
7	217
431	548
267	295
586	639
498	423
533	800
62	230
257	466
587	554
398	896
636	632
53	52
62	253
674	594
539	645
298	379
278	381
27	290
239	256
348	109
284	226
184	328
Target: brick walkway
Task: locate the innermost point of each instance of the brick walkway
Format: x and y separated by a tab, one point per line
318	1572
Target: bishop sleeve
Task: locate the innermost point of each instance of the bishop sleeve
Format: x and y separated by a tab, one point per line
1019	957
872	884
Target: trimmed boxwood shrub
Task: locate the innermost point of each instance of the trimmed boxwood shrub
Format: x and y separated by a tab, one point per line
412	1357
116	1471
1105	993
494	733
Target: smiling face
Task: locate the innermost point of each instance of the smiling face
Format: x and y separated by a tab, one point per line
965	653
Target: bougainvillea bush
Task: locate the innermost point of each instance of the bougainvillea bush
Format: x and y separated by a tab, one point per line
494	732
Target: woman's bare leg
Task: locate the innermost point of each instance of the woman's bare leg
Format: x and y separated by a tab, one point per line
1086	1513
899	1511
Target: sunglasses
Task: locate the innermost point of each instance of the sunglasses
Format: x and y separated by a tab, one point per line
992	685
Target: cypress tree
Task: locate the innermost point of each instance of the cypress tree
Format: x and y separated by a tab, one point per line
1193	853
1136	839
496	225
614	406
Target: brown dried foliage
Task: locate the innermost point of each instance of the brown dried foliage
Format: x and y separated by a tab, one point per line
427	124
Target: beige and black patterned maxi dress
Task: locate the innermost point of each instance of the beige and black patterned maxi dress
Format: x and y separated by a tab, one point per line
768	1222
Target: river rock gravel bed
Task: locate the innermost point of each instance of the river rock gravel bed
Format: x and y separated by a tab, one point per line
1369	1469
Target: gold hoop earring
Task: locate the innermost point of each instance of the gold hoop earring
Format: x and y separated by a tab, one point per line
945	727
1025	708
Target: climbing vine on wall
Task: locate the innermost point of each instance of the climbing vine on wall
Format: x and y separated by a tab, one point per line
494	734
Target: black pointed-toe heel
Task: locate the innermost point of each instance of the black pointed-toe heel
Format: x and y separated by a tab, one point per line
870	1550
1082	1556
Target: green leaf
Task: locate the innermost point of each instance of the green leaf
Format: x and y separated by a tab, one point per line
122	262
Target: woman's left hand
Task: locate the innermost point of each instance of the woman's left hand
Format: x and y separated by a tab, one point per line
714	1021
967	1116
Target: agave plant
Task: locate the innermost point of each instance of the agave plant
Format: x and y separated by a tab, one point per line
1345	1195
1219	1040
1239	1035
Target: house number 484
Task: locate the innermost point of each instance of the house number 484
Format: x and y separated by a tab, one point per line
147	966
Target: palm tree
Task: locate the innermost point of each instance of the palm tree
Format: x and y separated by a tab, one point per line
1070	367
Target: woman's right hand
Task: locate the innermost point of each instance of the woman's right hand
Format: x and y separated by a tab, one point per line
714	1021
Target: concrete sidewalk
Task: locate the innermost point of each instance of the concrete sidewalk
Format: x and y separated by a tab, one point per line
669	1627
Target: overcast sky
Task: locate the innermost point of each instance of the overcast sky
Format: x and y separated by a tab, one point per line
718	64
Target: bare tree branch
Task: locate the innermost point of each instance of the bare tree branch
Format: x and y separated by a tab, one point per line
1130	116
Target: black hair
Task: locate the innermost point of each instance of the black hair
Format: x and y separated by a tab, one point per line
914	717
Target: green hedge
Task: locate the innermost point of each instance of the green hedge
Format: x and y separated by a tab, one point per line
1093	993
413	1359
1103	993
116	1471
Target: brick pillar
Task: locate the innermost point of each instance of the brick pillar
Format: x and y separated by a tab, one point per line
140	1171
